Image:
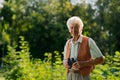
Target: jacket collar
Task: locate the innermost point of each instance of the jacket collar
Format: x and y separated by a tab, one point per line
78	41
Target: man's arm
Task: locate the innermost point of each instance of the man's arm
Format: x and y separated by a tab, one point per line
65	61
80	64
96	61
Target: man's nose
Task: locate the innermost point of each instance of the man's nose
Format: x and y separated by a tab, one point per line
74	29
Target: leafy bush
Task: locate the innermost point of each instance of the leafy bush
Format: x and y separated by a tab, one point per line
110	70
21	66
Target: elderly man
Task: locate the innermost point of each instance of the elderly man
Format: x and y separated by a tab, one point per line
81	53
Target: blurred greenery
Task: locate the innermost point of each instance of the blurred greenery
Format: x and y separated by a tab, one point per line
43	24
20	66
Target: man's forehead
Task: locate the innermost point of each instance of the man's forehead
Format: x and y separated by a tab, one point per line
74	25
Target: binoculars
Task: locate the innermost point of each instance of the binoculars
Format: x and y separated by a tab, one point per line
71	61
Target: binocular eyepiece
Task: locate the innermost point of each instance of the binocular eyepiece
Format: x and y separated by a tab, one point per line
71	61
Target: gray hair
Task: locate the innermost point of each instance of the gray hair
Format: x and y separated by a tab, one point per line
74	20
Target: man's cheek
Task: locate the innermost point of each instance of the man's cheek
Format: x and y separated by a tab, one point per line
76	32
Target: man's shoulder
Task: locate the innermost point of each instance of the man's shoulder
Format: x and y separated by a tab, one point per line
69	40
85	36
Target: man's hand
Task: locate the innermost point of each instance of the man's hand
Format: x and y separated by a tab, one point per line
65	63
76	66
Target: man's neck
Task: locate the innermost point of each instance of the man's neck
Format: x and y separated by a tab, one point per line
75	38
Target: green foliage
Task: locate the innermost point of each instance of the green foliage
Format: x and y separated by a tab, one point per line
17	61
43	22
110	70
107	20
40	22
20	66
